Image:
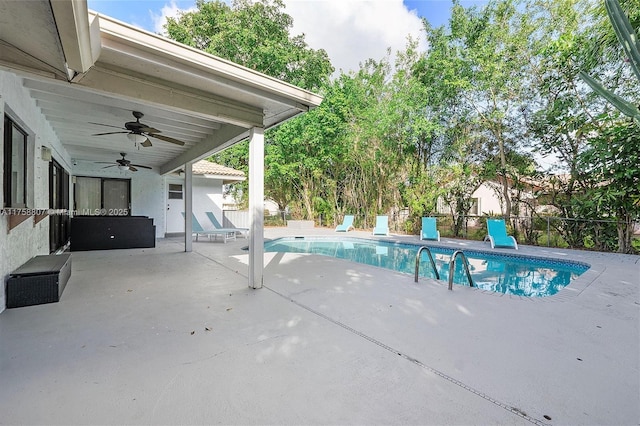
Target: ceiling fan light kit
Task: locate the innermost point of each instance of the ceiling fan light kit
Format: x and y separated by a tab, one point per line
139	133
124	164
136	138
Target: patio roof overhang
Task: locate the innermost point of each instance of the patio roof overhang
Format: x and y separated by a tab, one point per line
82	68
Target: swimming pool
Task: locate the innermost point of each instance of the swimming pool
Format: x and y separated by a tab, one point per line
504	273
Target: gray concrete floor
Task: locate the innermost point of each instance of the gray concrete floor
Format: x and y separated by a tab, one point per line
159	336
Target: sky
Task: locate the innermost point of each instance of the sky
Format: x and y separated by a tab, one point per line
351	31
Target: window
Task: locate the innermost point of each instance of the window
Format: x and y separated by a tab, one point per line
175	191
15	165
102	196
475	206
115	197
88	197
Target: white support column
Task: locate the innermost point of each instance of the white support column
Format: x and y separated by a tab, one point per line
188	207
256	207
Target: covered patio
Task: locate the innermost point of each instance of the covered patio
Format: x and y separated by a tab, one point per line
178	338
173	334
88	98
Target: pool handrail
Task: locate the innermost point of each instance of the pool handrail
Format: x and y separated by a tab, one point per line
433	263
452	263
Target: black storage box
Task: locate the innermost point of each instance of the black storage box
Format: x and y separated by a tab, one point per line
112	232
41	280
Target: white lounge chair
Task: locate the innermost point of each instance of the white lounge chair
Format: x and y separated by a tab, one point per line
216	225
197	230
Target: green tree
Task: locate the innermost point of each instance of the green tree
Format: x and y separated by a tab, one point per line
562	112
612	164
236	157
628	39
566	114
479	75
255	34
298	163
496	52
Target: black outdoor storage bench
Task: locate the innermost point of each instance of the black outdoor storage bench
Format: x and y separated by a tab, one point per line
112	232
41	280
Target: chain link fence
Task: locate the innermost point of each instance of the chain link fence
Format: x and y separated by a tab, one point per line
538	230
549	231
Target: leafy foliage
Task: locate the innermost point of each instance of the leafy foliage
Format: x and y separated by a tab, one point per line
629	42
255	34
495	93
612	164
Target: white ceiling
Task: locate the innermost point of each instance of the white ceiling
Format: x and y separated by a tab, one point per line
71	112
98	70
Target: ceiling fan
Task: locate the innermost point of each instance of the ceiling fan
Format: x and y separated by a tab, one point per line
139	133
124	164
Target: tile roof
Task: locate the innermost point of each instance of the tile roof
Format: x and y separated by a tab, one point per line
204	167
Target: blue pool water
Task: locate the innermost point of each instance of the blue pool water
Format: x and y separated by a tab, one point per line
508	274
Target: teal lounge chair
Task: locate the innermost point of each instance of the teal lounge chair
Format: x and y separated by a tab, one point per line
347	223
216	225
382	225
197	230
429	229
498	237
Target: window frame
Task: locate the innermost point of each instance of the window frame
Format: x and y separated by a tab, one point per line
115	211
9	126
173	193
475	206
103	211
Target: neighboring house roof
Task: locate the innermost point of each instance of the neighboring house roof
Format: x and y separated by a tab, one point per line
204	167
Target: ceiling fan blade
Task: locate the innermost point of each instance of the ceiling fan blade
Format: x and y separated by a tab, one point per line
149	130
108	133
113	165
107	125
141	166
133	169
104	162
146	143
166	139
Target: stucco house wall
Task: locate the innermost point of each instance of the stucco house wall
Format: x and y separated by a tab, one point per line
488	198
26	240
207	197
147	190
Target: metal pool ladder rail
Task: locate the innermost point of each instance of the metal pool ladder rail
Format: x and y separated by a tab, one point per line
452	264
433	263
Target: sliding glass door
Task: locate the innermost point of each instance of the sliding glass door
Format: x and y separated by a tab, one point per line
59	203
88	196
115	197
102	196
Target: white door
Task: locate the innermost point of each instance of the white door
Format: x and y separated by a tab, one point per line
175	206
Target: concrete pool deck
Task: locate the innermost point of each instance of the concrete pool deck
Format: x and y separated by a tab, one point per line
159	336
